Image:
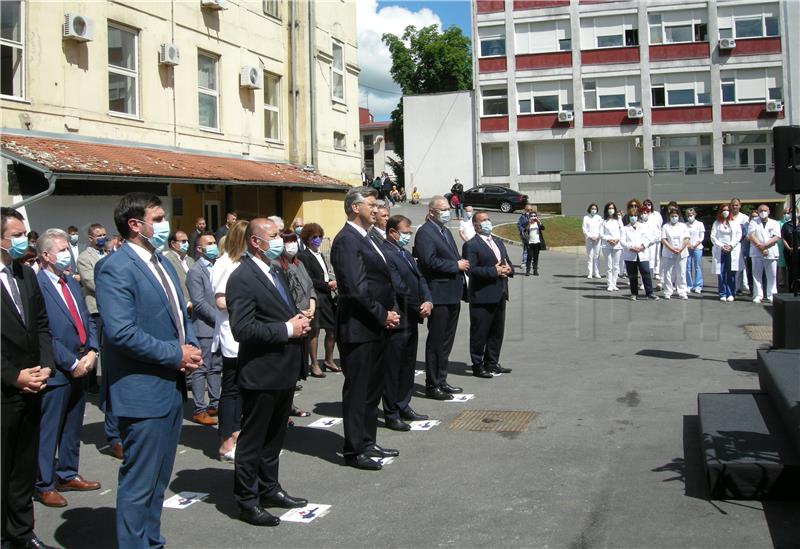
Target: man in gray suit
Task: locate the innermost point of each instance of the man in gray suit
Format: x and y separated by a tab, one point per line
87	260
204	313
177	254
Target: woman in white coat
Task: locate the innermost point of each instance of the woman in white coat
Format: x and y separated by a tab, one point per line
694	265
591	232
674	252
610	234
635	240
726	236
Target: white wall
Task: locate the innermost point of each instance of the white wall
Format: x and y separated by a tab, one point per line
437	137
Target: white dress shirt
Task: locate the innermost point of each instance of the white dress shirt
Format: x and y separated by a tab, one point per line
223	337
466	227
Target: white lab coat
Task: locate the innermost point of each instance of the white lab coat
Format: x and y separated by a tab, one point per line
635	235
763	233
675	235
591	225
730	234
611	229
697	232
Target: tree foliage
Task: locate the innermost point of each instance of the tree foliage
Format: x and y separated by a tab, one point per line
426	61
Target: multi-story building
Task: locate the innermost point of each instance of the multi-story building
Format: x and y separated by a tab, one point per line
213	104
671	100
376	148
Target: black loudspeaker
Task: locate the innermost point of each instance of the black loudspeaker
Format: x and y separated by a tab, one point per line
787	159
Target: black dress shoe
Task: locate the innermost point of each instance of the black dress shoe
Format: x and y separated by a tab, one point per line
257	516
397	425
379	452
500	370
362	461
282	499
437	394
481	372
36	543
447	388
411	415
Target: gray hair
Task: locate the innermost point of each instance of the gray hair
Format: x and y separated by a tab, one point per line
434	200
357	195
45	242
278	221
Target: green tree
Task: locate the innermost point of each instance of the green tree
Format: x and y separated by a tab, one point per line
426	61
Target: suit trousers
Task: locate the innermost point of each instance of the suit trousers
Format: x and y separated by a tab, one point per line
60	432
149	446
230	401
487	324
442	325
207	377
19	424
401	359
110	423
364	371
264	418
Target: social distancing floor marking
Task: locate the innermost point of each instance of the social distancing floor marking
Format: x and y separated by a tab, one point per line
325	422
461	398
425	425
182	500
306	514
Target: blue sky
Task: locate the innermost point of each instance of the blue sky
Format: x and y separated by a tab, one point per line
377	91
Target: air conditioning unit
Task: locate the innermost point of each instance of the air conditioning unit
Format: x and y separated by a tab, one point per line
77	27
637	142
587	146
251	78
169	54
656	141
566	116
727	139
727	43
774	105
213	4
635	112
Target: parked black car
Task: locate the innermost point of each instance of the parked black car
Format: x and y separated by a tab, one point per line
493	196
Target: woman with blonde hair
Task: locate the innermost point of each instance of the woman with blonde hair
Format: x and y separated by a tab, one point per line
230	405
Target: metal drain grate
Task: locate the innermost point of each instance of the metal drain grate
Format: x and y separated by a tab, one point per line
758	333
507	421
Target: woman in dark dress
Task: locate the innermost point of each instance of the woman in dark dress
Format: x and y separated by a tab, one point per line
324	285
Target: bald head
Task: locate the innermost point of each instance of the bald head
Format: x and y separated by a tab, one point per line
260	230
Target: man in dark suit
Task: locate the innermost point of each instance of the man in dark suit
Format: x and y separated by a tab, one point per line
27	360
148	346
415	303
270	331
177	253
204	316
230	220
443	269
199	228
489	270
365	313
75	350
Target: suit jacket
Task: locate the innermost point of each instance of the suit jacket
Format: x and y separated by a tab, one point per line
141	349
175	261
86	264
438	261
365	287
268	358
28	344
485	286
201	294
66	344
314	271
410	287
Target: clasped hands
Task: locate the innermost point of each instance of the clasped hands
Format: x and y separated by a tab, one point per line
32	380
85	364
301	325
191	359
503	270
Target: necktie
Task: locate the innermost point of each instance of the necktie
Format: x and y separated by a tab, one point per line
73	310
279	286
15	295
407	258
172	304
494	248
445	235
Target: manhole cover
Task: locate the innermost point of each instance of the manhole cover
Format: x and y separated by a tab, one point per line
507	421
758	333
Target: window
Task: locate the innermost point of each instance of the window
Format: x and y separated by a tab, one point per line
272	7
632	37
616	101
680	89
612	31
748	151
675	27
123	75
12	49
690	154
728	84
544	96
337	72
495	102
678	33
748	28
495	159
611	93
492	41
565	44
590	95
207	91
749	21
542	37
272	112
681	96
545	103
610	41
751	85
545	157
339	141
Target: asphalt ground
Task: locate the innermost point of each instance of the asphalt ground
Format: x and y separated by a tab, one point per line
611	458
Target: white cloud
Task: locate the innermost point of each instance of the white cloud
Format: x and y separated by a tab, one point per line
376	87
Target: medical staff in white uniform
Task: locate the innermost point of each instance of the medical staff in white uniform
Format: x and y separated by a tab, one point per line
764	234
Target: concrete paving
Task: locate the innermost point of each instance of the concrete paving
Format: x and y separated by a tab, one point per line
610	460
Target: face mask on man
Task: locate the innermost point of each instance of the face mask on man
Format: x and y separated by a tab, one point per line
63	260
486	227
160	233
690	219
290	248
73	239
467	215
298	230
100	242
405	238
444	216
183	247
18	246
763	215
275	248
211	252
787	217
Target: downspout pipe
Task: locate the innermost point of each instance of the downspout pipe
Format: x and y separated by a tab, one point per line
51	187
293	77
312	69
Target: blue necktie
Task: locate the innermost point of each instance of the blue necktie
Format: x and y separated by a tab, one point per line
407	258
279	285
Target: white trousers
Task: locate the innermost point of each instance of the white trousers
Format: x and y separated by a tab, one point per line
761	264
674	269
612	266
593	257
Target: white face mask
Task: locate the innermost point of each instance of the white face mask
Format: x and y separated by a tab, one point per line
690	219
611	211
645	217
593	211
290	249
763	215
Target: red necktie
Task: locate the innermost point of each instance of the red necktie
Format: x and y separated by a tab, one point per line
73	311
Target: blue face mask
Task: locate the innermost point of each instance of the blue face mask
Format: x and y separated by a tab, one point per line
211	252
298	230
160	233
73	239
486	227
444	216
275	248
63	261
18	246
405	238
183	247
633	219
101	242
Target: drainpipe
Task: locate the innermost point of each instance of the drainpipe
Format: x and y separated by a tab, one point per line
293	77
312	69
51	187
